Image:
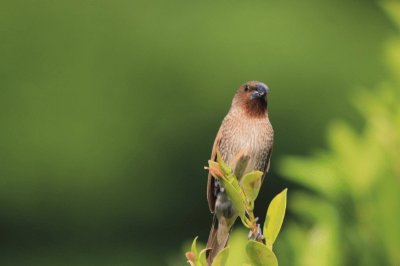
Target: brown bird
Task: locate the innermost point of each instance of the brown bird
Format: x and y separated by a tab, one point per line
245	141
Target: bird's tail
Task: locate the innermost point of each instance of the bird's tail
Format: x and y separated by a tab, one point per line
218	238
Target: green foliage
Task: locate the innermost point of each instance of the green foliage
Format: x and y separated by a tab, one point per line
350	214
221	258
251	184
242	196
194	247
107	109
355	187
229	181
233	189
260	255
274	218
194	257
95	93
348	206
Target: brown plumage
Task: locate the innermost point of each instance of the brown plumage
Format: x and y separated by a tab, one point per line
245	141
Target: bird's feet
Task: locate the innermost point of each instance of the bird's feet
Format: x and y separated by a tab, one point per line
256	234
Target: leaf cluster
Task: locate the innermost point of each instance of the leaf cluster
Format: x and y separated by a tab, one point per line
242	194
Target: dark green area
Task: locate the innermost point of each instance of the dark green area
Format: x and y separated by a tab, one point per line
108	111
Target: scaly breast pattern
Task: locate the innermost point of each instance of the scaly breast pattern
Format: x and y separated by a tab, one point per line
246	137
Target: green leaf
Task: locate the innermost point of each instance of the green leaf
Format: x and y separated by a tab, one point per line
251	184
260	255
235	197
318	173
221	258
225	168
232	179
202	257
194	247
274	219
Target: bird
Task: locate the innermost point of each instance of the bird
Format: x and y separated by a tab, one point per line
244	139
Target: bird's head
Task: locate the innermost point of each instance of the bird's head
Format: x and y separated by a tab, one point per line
252	97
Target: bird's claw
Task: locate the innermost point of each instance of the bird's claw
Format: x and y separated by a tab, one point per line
257	236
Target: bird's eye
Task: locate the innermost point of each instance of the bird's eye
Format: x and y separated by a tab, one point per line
246	87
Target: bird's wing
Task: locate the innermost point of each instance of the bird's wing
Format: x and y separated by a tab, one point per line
266	167
210	183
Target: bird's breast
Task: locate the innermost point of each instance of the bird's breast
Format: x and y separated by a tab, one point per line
245	144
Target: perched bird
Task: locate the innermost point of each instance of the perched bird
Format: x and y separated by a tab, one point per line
245	141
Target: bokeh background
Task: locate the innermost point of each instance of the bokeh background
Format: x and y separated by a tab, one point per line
108	111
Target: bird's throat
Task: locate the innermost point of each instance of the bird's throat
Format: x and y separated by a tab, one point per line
256	108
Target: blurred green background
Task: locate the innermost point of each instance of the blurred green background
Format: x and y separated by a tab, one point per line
108	111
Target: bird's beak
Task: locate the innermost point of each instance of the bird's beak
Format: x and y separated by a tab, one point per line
260	91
